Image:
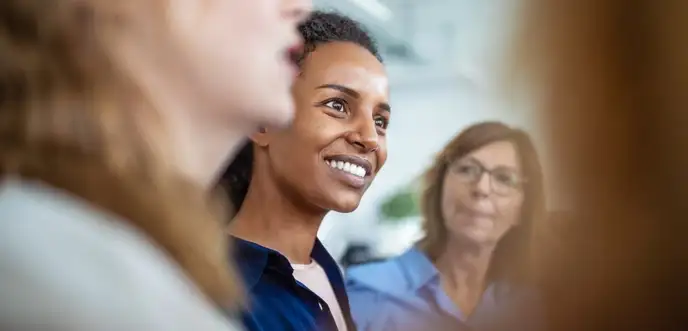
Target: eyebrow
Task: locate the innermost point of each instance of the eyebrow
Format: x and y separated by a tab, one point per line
353	93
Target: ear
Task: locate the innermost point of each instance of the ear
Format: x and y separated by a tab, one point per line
261	138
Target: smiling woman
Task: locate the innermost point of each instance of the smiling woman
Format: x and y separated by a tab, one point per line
286	180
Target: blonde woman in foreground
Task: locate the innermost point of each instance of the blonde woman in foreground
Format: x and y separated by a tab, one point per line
115	119
613	83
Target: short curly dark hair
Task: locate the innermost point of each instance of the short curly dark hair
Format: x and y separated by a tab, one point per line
325	27
320	28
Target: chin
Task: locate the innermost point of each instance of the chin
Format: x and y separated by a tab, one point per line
475	236
345	205
483	239
277	114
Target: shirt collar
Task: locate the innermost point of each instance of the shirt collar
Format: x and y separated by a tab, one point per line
421	272
253	259
418	268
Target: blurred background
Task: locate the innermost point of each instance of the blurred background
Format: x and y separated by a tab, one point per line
434	95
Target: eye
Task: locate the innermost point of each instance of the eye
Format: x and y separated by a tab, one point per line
507	178
336	104
468	169
381	122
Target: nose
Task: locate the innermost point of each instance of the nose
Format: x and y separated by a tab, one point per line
364	136
297	10
482	187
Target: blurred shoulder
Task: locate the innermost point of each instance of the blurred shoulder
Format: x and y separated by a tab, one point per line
372	289
62	256
384	276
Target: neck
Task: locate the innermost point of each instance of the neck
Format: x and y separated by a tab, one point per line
285	226
464	266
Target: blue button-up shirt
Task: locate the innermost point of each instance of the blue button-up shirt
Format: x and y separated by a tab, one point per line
405	294
279	302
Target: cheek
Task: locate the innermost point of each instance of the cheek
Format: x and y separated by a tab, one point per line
248	33
303	140
450	194
255	15
314	131
510	210
202	32
381	155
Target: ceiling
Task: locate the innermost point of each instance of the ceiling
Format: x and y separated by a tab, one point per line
432	40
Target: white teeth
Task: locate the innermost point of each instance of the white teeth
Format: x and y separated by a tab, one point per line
351	168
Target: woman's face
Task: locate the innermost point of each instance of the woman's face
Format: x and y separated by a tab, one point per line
482	193
337	142
236	55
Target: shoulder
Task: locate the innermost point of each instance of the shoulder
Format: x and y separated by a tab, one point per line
66	257
395	276
46	227
36	216
375	289
385	277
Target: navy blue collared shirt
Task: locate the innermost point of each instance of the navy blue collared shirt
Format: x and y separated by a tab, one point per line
279	302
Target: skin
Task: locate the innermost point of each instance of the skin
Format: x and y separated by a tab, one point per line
476	218
342	109
206	67
474	212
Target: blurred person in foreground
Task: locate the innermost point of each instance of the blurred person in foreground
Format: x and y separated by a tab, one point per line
286	180
116	117
611	79
481	197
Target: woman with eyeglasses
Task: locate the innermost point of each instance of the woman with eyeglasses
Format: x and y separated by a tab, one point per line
480	200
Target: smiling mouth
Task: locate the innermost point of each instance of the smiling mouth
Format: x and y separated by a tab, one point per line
348	167
356	166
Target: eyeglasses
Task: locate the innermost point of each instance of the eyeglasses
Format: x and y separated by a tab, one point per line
503	180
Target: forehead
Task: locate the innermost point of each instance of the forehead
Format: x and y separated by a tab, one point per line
497	154
347	64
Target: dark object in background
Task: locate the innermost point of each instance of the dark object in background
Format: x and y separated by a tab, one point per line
358	253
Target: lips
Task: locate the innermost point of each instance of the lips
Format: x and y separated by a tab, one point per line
294	53
354	171
355	164
477	213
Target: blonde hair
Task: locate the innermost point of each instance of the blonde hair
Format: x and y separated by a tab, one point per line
512	256
612	78
70	119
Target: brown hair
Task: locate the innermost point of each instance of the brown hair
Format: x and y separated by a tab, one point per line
612	78
68	118
512	255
